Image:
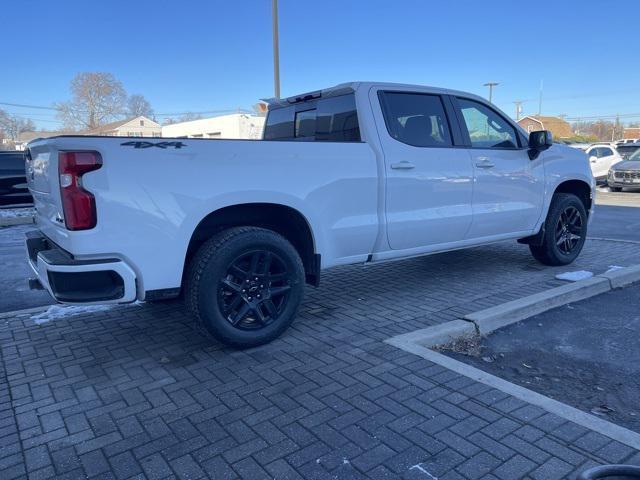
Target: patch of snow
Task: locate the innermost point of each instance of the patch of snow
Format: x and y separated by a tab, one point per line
17	212
574	276
421	469
56	312
613	268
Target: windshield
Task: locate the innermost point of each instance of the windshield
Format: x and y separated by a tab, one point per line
628	152
635	155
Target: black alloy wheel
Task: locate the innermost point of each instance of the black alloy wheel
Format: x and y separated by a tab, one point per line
569	230
244	285
564	231
255	290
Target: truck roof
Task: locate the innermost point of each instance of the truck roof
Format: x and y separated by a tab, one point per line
350	87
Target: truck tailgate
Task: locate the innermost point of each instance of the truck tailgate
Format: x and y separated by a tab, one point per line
43	182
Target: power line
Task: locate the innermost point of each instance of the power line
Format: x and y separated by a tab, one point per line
42	107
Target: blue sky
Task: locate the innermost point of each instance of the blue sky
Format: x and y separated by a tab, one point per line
216	55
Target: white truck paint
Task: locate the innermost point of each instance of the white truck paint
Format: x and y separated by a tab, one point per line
363	201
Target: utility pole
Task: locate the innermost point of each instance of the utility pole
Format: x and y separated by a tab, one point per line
518	104
276	48
540	99
491	85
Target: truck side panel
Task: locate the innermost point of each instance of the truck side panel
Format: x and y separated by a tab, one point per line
150	200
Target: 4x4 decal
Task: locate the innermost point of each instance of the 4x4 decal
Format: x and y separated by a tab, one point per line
143	144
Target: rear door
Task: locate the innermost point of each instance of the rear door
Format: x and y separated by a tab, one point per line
508	188
428	171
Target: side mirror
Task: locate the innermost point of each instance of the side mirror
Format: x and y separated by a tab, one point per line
593	159
539	141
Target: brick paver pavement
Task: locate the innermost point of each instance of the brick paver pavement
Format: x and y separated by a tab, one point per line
136	391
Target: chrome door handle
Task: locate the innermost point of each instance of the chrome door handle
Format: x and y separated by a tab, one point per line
403	165
485	164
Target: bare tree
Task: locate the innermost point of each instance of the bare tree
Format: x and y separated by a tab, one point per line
97	98
13	125
138	105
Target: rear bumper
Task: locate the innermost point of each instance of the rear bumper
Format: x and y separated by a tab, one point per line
69	280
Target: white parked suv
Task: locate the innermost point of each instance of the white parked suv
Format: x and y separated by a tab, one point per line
359	173
602	156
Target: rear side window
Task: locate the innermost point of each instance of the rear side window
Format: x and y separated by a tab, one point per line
416	119
332	119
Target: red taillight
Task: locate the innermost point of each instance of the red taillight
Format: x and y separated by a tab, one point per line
79	205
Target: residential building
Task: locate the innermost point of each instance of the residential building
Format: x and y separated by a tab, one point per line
236	125
131	127
26	137
559	127
631	133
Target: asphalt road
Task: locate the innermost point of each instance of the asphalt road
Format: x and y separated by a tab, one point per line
617	216
14	272
585	354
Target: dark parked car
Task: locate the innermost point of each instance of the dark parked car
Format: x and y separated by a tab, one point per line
625	174
13	180
627	149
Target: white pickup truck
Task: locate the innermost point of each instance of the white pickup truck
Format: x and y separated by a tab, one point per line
358	173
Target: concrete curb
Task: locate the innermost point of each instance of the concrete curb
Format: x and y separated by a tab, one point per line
622	277
599	425
438	334
491	319
9	222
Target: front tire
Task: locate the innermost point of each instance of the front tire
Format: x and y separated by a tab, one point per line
616	189
565	231
245	285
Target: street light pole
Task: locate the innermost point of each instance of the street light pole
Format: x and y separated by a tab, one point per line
518	104
491	85
276	48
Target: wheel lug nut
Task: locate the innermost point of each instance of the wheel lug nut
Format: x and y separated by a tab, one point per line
249	299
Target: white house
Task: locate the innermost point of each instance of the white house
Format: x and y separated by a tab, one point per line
236	125
131	127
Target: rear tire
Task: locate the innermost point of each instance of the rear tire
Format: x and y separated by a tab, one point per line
616	189
244	285
565	231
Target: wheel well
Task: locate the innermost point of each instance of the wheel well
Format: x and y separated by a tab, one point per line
580	189
284	220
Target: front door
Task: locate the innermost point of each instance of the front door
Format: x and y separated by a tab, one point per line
428	179
508	189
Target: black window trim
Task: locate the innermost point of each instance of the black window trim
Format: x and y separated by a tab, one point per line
522	145
452	131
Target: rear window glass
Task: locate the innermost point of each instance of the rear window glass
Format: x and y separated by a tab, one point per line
280	124
305	124
337	120
332	119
